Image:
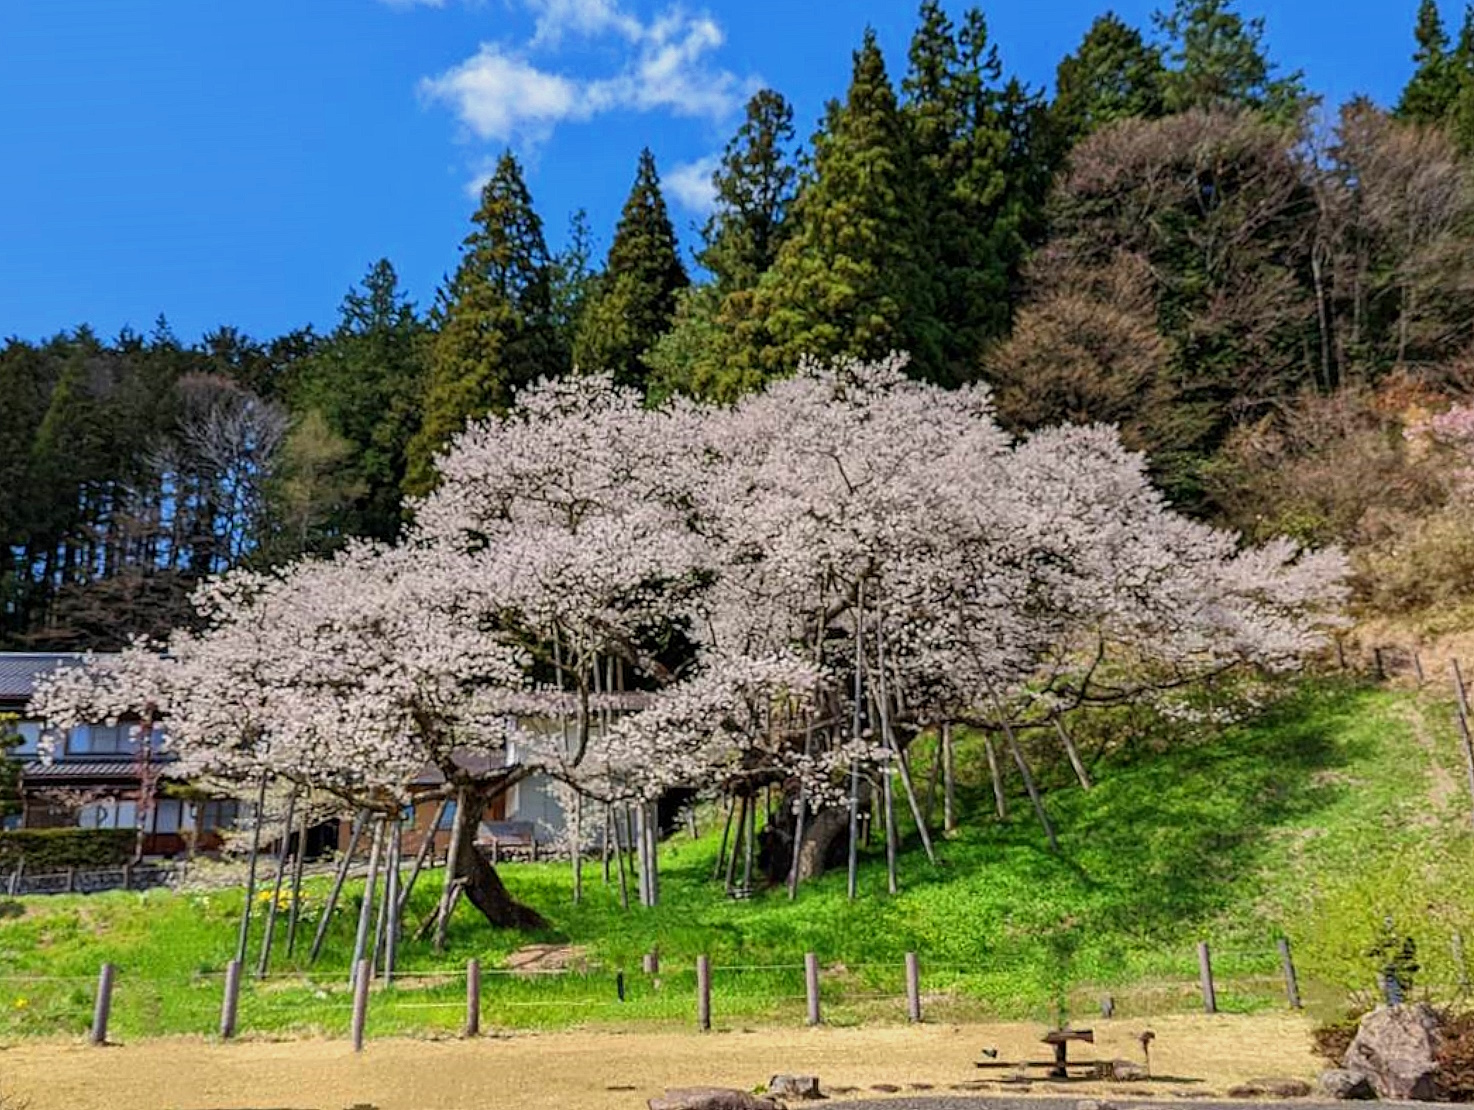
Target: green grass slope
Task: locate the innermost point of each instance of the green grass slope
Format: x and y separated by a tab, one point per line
1336	809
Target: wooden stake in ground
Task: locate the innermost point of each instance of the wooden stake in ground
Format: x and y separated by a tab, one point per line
365	909
1023	767
1463	714
624	888
949	782
736	843
281	870
802	803
442	922
331	904
245	934
716	871
392	900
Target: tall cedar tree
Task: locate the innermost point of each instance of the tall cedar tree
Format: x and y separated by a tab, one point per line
754	187
1434	87
1221	63
635	297
365	382
495	326
1114	74
849	278
974	211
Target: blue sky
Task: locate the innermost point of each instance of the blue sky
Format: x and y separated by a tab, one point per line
244	162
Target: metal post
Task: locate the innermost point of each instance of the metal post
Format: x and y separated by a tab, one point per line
1205	976
473	997
1292	985
703	992
913	988
811	986
104	1004
231	1005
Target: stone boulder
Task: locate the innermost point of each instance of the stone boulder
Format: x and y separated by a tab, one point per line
1127	1071
711	1098
1270	1088
797	1087
1338	1083
1396	1048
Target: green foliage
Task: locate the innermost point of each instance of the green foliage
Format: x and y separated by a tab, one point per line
1430	93
1113	75
495	327
849	280
358	403
56	849
634	298
1221	63
10	799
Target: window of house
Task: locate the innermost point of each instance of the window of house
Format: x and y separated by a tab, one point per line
168	815
30	738
216	814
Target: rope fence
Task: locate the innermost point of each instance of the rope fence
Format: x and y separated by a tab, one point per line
228	1003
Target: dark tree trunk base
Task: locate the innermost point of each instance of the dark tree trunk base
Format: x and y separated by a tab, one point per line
484	888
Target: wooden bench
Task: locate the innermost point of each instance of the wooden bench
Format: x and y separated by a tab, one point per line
1059	1067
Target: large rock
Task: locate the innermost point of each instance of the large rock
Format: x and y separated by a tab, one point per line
794	1087
1338	1083
1270	1088
711	1098
1396	1048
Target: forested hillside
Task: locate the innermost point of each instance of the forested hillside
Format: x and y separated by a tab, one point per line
1272	296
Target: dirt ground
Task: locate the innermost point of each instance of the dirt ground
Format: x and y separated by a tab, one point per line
588	1070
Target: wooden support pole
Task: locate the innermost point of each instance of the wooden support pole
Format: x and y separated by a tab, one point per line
1074	754
331	904
281	869
811	986
1000	799
575	848
391	901
1462	708
736	842
452	858
1029	785
619	860
299	861
230	1006
703	992
913	988
427	848
853	863
361	976
365	908
473	997
949	782
245	934
1205	978
1292	984
103	1006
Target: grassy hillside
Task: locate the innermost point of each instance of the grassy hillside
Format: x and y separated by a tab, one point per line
1331	811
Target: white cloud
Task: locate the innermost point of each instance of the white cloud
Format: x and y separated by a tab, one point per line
691	186
500	96
663	65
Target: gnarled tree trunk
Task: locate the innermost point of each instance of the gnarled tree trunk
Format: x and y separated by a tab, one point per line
482	886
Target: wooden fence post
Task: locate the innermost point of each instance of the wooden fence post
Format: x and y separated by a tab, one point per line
127	876
1292	985
703	992
1205	976
104	1004
1381	670
71	880
473	997
230	1006
650	962
811	986
20	866
913	988
360	1002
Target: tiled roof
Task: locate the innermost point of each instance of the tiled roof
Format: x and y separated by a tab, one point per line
20	669
476	763
66	769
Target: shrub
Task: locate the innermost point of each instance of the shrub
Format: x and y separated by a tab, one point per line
57	849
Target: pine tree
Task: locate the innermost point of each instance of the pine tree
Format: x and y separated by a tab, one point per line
1221	63
635	297
1114	74
495	329
975	161
848	280
754	189
365	383
1434	87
